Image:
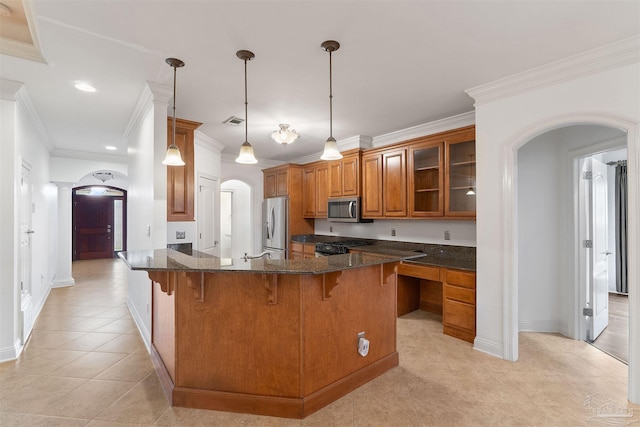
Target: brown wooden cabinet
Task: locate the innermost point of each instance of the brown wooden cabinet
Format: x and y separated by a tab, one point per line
372	185
180	179
276	181
384	183
459	304
426	177
315	190
344	175
448	292
301	250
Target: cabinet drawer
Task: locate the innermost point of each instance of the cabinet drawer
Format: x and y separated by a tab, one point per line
459	314
460	294
460	278
297	247
419	271
309	249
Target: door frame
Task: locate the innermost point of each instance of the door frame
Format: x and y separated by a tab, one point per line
216	210
74	256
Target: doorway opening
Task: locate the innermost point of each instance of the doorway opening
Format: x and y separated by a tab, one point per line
235	219
551	268
99	226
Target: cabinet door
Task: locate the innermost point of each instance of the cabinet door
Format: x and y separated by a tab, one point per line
282	183
460	183
180	179
394	183
351	176
322	190
372	186
335	178
270	189
309	192
426	183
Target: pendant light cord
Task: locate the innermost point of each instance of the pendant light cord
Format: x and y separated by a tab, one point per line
330	98
173	137
246	117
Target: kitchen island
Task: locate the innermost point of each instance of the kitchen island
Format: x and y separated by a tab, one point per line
270	337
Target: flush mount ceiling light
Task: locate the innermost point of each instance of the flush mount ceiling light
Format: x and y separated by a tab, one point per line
110	148
84	86
103	176
246	155
173	157
331	151
284	135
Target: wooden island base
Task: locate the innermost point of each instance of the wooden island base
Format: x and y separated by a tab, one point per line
271	344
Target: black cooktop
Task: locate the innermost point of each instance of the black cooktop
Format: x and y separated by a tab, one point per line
336	248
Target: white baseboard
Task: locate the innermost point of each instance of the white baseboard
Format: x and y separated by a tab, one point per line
489	347
144	332
63	283
8	354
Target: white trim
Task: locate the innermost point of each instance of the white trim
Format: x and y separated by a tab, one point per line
144	332
85	155
9	89
593	61
510	254
442	125
63	283
205	141
143	105
489	347
24	101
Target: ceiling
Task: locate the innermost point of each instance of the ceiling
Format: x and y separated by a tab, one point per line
400	63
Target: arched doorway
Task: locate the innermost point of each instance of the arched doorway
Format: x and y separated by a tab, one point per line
99	227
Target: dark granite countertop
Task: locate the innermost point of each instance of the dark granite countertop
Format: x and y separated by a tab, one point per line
447	256
170	260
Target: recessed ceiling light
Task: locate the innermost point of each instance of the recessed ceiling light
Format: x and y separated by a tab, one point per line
85	87
110	147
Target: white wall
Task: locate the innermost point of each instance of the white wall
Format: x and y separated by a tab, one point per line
21	141
65	169
504	122
462	233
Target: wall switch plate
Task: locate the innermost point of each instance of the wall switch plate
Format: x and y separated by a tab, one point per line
181	234
393	232
447	235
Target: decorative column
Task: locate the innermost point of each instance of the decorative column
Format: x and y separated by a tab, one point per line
65	235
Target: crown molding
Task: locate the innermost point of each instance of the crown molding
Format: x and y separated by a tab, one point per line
593	61
206	141
442	125
153	94
86	155
17	92
28	51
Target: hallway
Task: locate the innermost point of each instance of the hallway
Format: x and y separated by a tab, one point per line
85	365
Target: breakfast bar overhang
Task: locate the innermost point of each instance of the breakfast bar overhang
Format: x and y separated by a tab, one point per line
268	337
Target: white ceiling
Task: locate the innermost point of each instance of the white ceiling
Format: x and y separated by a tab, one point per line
400	63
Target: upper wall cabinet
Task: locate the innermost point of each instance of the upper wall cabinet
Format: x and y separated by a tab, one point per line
426	177
180	179
344	175
276	181
315	190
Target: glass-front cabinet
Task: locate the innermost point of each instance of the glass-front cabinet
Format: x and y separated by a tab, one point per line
426	183
460	185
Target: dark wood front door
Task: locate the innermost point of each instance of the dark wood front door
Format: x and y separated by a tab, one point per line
93	220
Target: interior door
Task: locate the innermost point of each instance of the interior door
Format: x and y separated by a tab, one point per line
599	291
207	236
93	219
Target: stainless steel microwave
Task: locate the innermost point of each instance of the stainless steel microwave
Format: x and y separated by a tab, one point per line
346	209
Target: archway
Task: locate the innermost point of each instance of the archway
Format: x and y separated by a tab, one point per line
511	242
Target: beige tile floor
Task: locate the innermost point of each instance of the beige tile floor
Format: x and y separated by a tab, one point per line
85	365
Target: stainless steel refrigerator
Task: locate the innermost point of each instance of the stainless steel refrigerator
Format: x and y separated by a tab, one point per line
275	223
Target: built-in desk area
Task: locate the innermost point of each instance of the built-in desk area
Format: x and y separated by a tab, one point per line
441	290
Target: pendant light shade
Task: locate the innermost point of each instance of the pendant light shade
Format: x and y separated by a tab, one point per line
331	151
173	157
246	155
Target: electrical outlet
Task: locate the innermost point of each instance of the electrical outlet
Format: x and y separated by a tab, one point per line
393	232
447	235
181	234
331	229
360	335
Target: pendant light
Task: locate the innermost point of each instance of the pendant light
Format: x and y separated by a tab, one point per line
173	157
471	191
246	155
331	151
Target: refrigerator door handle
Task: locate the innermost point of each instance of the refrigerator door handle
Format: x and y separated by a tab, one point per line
273	221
